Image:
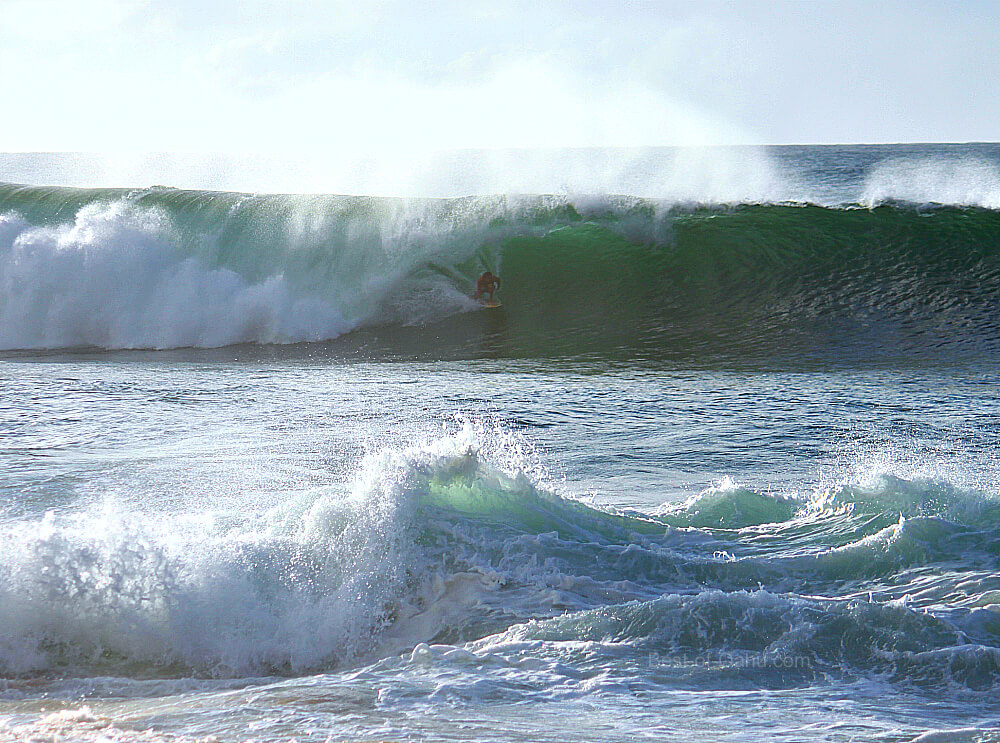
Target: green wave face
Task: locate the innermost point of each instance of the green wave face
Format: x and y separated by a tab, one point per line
763	279
612	277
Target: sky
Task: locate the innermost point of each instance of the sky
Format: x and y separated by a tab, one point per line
303	76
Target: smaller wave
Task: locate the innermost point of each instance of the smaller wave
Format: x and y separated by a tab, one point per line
876	501
726	537
921	496
714	639
449	541
727	506
909	543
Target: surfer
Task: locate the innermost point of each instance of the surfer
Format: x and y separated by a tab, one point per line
487	284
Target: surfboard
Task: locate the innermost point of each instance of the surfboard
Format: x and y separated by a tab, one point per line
492	303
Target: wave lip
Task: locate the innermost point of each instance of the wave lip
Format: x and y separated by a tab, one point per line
728	506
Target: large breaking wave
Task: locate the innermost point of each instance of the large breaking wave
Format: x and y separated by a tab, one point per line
163	268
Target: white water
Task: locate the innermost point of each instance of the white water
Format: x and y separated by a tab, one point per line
116	277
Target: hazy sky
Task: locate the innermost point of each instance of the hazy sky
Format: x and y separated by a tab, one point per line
205	75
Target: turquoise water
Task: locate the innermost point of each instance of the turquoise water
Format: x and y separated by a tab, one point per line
745	488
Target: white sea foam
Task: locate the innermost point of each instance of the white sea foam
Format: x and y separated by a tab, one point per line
306	585
127	275
116	277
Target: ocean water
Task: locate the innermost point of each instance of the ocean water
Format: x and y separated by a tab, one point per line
723	467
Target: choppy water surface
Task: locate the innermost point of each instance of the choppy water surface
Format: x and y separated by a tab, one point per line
744	488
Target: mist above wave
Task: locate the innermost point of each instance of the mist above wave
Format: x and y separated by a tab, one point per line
827	175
